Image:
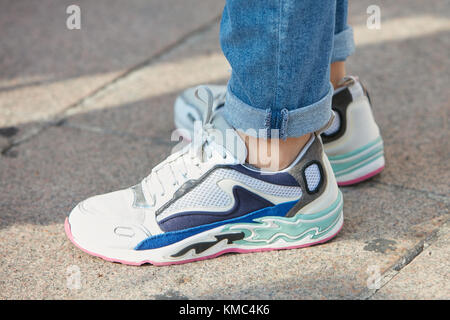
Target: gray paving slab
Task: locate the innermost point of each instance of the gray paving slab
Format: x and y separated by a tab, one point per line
404	66
113	139
410	104
411	108
134	104
51	173
46	67
427	276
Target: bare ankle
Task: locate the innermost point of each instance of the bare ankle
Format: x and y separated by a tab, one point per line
273	154
337	73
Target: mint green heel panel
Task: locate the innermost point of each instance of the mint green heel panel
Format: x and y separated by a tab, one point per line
267	230
361	164
356	151
342	167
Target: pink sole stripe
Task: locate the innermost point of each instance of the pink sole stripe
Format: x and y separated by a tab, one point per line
360	179
234	250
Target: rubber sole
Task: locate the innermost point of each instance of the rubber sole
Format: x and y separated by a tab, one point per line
312	229
360	164
360	179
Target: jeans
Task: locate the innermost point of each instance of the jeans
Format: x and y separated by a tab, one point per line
280	53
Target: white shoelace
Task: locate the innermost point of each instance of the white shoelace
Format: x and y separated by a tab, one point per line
170	174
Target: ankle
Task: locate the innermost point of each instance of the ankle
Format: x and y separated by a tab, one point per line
273	154
337	73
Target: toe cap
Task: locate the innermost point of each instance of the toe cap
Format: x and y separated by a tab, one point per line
108	221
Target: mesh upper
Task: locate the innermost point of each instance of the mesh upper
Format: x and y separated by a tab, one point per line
208	195
334	127
313	177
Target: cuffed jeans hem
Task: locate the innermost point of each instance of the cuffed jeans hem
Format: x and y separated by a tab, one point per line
292	123
343	45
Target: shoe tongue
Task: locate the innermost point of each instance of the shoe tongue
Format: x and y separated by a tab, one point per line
226	136
347	81
353	84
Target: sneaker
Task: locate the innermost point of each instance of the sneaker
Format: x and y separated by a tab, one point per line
353	142
204	201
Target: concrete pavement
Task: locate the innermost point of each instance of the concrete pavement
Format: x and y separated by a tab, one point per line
90	111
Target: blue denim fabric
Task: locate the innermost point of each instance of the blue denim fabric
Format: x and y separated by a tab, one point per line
343	43
280	52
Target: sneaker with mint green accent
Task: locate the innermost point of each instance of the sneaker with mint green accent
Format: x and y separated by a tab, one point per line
205	200
352	143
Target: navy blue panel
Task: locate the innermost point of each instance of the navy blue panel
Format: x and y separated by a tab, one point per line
168	238
245	202
279	178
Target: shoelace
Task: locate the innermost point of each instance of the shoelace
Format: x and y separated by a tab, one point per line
170	174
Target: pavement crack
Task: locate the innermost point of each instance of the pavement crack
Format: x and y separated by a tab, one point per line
401	263
12	143
63	115
164	51
103	131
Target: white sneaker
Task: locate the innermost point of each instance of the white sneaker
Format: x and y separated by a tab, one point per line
204	201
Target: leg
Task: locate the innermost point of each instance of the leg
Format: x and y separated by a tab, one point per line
205	200
280	63
343	44
337	73
353	130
